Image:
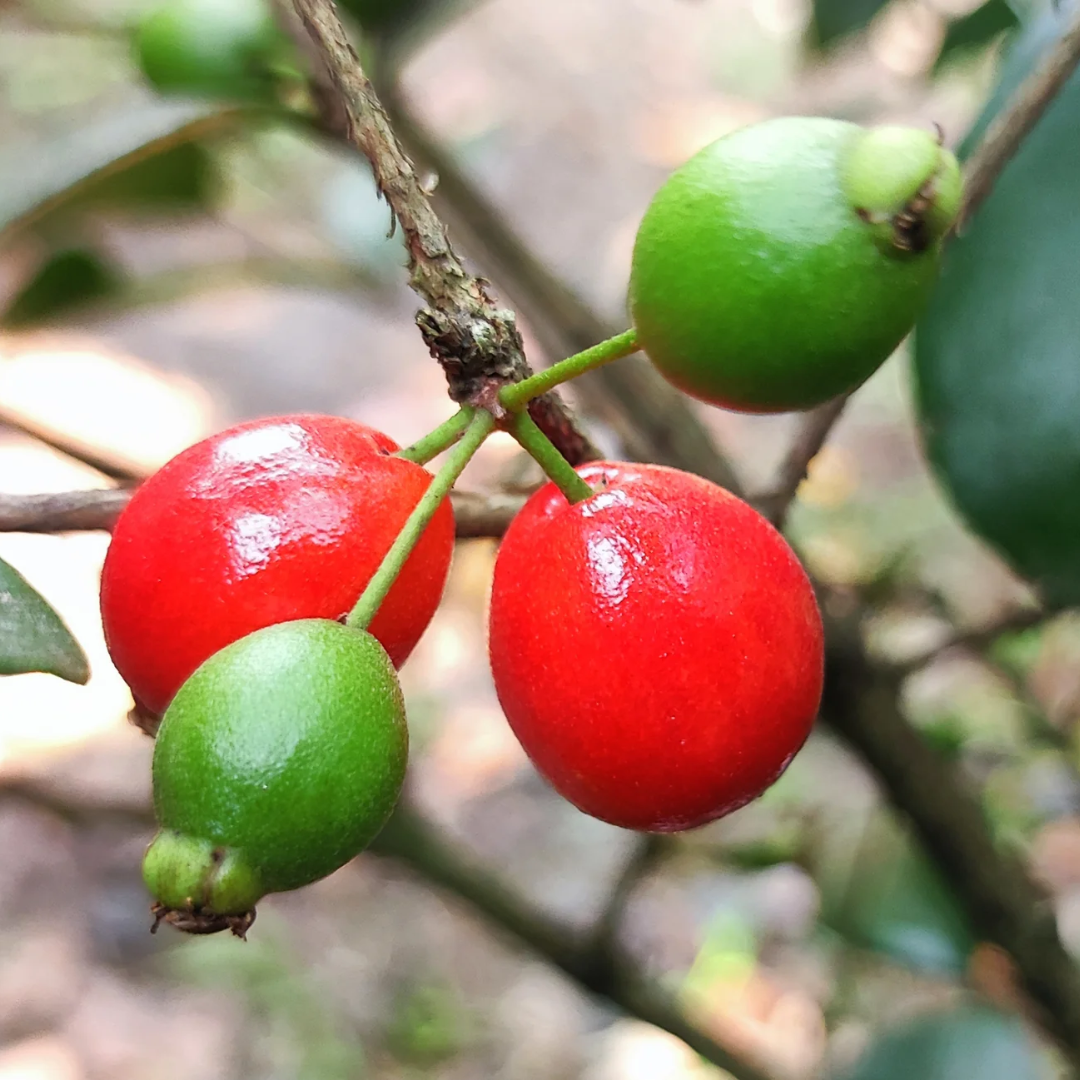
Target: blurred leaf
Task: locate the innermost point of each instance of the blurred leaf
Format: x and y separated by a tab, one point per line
41	179
977	29
727	955
835	19
428	1027
404	24
66	281
181	176
947	734
967	1044
894	902
785	844
32	636
1019	651
996	355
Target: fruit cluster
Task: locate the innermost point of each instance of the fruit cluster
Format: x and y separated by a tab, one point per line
654	641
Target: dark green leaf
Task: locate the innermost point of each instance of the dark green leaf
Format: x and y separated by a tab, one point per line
32	636
65	282
997	354
968	1044
43	178
977	29
404	23
894	902
835	19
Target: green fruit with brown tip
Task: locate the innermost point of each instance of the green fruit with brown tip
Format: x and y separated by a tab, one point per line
276	763
785	262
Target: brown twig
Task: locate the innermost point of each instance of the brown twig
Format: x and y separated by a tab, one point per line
814	429
649	850
653	420
1015	122
66	511
80	511
476	342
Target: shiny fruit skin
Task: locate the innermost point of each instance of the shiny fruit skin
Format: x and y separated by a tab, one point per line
755	282
216	48
271	520
284	753
657	648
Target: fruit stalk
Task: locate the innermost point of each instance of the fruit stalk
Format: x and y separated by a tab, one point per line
546	454
517	395
442	438
480	426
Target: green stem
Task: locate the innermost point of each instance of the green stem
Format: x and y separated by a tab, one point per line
547	456
480	426
442	438
517	395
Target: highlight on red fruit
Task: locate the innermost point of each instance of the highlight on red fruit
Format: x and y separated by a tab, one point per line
271	520
657	648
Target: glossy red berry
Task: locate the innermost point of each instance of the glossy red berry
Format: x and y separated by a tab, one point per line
272	520
657	648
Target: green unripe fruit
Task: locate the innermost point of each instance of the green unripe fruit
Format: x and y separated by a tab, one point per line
277	762
216	48
785	262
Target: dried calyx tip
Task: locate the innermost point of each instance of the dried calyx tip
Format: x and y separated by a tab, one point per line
201	922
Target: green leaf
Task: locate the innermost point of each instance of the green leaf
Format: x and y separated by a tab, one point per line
181	176
835	19
32	636
997	355
44	178
967	1044
404	24
66	281
894	902
977	29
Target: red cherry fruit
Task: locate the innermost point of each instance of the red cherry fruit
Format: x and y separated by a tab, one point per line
657	648
272	520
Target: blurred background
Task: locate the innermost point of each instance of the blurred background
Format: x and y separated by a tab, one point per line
242	266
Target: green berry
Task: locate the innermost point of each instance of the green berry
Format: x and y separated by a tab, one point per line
785	262
277	762
216	48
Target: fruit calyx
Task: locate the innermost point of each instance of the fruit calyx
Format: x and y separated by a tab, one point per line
905	184
200	887
201	922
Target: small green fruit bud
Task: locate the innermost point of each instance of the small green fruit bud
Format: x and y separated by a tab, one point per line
904	184
200	887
